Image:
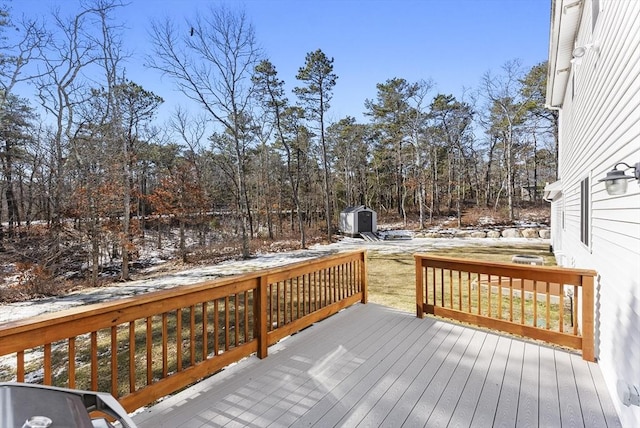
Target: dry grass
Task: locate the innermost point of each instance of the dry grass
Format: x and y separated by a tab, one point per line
392	276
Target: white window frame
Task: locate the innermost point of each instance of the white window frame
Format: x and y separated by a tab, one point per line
585	211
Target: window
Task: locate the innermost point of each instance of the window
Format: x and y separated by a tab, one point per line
584	211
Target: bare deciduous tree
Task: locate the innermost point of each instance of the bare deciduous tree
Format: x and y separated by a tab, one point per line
211	61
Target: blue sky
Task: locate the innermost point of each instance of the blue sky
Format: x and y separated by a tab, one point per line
452	42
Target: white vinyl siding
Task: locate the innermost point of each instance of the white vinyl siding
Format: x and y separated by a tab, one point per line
599	127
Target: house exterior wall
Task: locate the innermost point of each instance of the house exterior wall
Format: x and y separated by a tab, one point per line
556	228
599	126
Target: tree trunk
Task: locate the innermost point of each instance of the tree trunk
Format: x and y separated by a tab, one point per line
325	162
183	247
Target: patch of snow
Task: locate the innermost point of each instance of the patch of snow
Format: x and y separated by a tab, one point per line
484	221
15	311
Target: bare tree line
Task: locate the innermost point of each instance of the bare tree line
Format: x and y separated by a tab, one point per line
86	160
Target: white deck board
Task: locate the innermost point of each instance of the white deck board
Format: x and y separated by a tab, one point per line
507	409
589	404
548	399
529	386
374	366
467	403
569	402
444	409
485	411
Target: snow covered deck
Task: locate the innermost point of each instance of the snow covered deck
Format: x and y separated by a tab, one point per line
375	366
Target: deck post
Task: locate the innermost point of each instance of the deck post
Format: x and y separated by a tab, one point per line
419	288
588	333
363	278
261	317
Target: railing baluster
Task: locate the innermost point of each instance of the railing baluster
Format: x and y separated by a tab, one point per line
226	323
561	309
132	356
433	286
450	288
441	287
500	297
535	304
460	290
576	304
310	292
323	284
469	291
271	316
327	284
245	308
420	288
300	303
165	346
114	361
311	279
285	304
72	363
344	280
548	304
47	364
336	283
317	291
511	299
94	360
291	300
149	344
192	335
324	275
522	301
236	328
327	279
489	291
216	327
179	338
278	324
479	285
20	366
205	332
332	284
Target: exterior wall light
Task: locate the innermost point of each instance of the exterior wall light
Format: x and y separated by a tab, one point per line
580	51
616	181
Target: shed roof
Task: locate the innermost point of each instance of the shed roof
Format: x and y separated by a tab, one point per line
356	209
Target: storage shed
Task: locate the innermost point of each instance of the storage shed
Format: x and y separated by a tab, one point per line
356	220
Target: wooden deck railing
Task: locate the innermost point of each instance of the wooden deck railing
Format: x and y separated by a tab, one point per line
142	348
552	304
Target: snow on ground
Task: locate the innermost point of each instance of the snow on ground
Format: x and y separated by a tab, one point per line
16	311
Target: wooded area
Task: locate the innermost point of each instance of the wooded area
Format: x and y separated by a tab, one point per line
87	169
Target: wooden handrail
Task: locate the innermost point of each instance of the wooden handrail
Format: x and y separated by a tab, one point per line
521	299
142	348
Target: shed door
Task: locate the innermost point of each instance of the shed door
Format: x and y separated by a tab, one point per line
365	221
